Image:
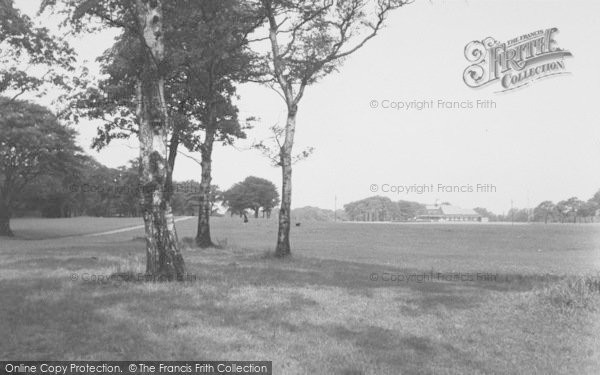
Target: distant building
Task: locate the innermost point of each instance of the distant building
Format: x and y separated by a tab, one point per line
446	212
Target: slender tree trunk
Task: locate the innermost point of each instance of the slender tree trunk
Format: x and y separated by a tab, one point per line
283	235
164	261
173	146
5	214
203	239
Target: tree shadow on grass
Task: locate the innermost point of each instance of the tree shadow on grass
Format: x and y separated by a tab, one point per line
54	318
51	318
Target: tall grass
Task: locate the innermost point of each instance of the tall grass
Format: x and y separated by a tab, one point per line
573	293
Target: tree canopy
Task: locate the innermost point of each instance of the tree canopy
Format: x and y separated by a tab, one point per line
23	45
33	144
254	193
380	208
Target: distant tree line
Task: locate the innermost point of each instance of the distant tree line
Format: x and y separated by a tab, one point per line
88	188
572	210
44	173
380	208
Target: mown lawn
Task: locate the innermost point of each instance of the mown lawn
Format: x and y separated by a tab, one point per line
320	312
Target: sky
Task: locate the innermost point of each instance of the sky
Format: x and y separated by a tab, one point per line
540	142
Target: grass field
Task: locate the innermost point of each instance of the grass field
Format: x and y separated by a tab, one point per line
40	229
342	305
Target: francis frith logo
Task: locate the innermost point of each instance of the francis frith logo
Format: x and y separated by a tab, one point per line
515	63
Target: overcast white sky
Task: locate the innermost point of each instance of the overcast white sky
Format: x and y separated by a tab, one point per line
541	142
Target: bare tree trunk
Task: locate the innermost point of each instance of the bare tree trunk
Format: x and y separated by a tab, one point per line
5	214
203	239
173	146
283	235
163	257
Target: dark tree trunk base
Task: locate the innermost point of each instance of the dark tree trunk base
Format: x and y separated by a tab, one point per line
177	267
5	229
282	253
283	248
204	242
171	269
164	262
203	239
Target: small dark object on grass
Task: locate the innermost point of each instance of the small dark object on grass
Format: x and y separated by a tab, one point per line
298	224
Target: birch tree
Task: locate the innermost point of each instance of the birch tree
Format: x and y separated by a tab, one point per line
163	256
206	54
144	20
310	39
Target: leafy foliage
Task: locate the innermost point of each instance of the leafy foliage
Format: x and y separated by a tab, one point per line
310	39
33	144
380	208
254	193
206	53
23	46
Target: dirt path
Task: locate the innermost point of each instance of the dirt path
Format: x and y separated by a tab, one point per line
126	229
